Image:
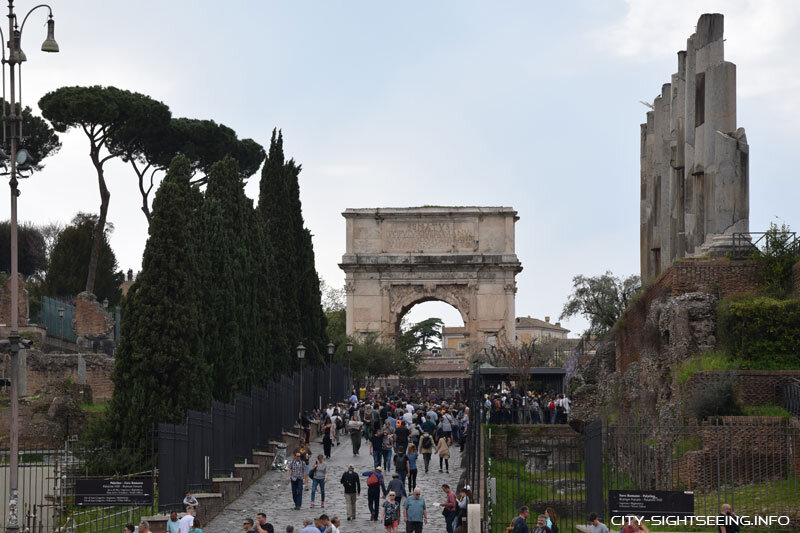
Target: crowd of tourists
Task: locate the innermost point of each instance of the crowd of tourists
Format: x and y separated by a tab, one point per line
504	406
403	433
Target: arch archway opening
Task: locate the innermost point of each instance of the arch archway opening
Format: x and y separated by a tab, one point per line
424	315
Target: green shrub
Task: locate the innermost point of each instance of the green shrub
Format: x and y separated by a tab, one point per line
775	260
767	410
718	398
762	332
714	360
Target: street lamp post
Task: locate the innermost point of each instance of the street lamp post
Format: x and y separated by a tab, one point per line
349	352
18	160
301	354
61	321
331	349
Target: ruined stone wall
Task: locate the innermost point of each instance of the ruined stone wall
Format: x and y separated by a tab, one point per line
44	369
746	449
718	277
5	302
756	387
694	161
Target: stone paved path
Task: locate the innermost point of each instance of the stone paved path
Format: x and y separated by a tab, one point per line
272	495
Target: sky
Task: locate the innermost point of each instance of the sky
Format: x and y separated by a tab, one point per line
532	105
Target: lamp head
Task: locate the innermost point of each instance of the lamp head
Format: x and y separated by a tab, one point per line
301	351
24	159
50	44
331	348
349	347
16	55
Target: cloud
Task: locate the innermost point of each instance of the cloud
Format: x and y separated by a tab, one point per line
762	39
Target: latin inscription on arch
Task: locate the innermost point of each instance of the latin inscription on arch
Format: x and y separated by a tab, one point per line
428	236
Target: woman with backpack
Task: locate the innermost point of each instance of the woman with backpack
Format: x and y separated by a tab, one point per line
443	451
426	447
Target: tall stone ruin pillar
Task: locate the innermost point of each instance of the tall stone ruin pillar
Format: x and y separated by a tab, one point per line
694	161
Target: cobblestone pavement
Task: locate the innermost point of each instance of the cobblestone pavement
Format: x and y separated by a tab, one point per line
272	495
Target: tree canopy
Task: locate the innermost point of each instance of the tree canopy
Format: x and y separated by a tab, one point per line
108	116
32	255
38	138
66	272
601	299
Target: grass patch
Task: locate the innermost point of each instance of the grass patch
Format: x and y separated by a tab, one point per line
714	360
98	407
767	410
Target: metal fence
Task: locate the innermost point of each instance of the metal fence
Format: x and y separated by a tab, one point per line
209	444
752	464
56	317
791	397
46	485
540	473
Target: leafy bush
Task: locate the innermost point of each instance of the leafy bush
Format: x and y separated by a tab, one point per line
775	260
718	398
714	360
762	332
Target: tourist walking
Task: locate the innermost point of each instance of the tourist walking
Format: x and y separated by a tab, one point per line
375	488
352	489
354	427
449	505
729	518
401	465
391	513
412	455
398	487
173	526
596	526
187	520
520	523
296	474
387	447
426	447
262	526
309	527
376	447
326	438
461	506
552	518
415	512
443	451
319	475
541	525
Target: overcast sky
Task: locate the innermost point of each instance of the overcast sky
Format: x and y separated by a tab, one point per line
533	105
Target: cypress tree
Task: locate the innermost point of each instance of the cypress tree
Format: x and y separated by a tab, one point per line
158	372
224	287
302	317
275	209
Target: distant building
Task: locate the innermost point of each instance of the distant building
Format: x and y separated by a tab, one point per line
455	342
542	331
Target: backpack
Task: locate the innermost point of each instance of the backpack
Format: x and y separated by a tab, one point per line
372	480
427	442
551	406
339	423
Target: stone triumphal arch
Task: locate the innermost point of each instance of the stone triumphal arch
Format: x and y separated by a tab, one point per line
398	257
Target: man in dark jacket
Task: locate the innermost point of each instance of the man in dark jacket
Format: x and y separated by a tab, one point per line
398	487
352	488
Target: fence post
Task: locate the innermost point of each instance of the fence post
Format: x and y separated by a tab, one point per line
593	443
